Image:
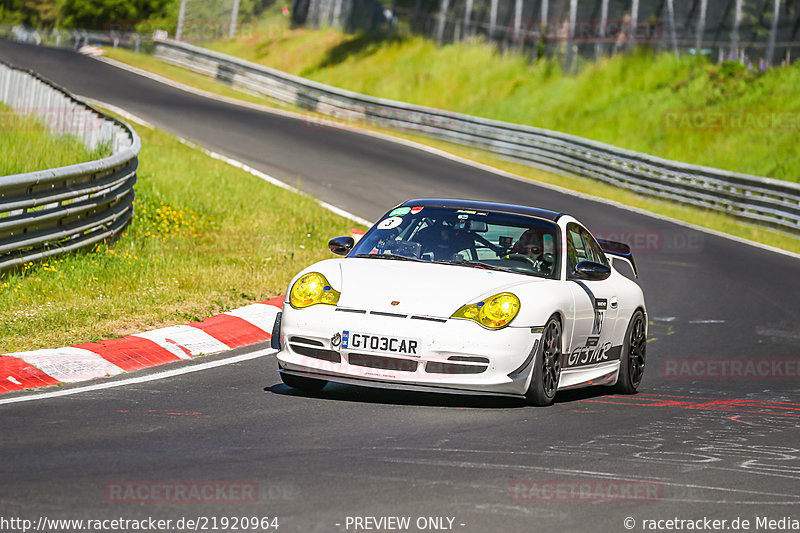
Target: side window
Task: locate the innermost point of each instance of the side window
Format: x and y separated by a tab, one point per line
576	249
581	246
594	252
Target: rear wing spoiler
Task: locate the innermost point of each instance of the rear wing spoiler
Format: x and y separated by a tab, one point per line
619	250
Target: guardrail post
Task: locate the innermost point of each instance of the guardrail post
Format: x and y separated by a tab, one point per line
234	19
569	60
493	19
737	18
181	15
776	9
6	81
545	11
467	18
701	26
671	22
337	14
599	47
445	5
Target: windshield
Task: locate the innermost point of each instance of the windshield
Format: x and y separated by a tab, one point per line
472	238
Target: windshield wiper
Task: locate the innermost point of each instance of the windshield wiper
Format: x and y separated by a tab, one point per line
389	256
478	264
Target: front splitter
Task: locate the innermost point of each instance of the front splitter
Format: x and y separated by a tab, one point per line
365	382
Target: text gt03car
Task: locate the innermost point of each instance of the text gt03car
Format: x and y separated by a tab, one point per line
466	297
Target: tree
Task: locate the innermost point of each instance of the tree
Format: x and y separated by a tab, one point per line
100	14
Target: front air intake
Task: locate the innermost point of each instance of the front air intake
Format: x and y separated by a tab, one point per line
384	363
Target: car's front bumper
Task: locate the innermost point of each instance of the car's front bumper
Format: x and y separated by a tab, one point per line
454	356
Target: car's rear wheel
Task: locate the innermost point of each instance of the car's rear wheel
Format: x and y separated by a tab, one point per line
546	366
303	384
634	355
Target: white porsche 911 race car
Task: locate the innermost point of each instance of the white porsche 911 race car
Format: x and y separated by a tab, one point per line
466	297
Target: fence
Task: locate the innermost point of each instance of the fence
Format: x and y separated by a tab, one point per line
748	30
54	211
756	199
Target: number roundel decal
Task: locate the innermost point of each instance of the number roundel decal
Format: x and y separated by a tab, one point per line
390	223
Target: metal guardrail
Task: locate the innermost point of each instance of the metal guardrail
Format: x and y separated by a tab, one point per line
58	210
74	38
756	199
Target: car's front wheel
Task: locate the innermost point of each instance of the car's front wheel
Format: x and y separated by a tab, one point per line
547	366
303	384
634	355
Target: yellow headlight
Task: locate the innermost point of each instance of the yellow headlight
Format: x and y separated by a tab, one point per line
312	289
492	313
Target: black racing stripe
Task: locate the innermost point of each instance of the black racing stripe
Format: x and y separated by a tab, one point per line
587	290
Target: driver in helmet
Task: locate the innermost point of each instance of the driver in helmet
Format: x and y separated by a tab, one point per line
529	244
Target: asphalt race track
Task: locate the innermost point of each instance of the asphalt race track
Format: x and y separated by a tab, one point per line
688	446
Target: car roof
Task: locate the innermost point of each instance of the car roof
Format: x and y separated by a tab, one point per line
485	206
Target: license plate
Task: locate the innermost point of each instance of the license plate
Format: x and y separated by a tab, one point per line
369	342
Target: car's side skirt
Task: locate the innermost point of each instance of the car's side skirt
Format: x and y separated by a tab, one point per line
599	374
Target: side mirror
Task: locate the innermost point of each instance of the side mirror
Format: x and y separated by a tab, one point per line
589	270
341	245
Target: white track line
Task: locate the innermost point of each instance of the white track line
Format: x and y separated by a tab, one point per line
141	379
117	110
233	162
440	153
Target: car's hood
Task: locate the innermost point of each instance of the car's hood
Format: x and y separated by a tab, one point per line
420	288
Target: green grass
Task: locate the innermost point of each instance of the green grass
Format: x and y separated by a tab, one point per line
26	145
205	238
621	100
705	218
